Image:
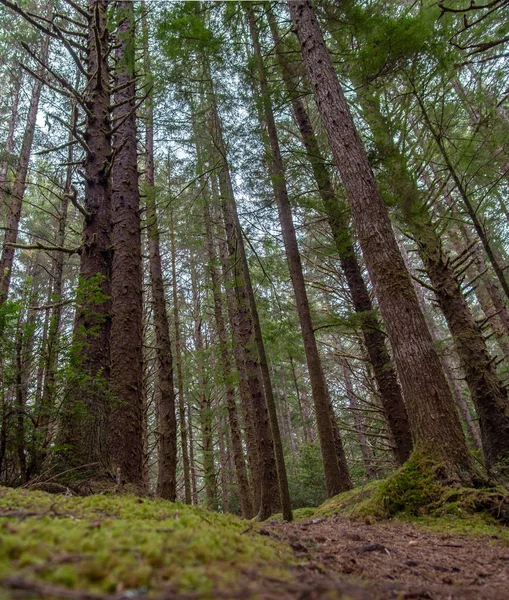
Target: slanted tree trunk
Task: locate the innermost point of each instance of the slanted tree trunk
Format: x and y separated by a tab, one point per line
244	329
384	372
17	193
167	421
433	419
336	469
488	394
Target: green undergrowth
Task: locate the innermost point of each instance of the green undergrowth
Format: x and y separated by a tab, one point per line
414	492
111	543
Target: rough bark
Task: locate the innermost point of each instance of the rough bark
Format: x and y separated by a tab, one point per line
374	341
9	142
85	419
167	422
434	423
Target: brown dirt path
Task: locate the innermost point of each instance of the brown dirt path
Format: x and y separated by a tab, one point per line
393	560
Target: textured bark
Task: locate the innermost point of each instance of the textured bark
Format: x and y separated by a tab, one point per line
126	327
374	341
14	197
337	480
488	394
447	363
85	418
167	422
246	503
433	420
185	446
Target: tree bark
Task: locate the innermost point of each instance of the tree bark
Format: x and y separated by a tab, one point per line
167	421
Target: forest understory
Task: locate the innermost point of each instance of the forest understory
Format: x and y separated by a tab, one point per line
116	546
254	299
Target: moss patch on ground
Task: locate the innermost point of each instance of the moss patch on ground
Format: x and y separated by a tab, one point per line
414	492
111	543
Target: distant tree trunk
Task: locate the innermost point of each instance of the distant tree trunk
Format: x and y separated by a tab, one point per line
186	468
305	433
165	398
244	329
192	462
336	470
434	422
385	374
47	420
205	401
126	327
10	141
17	193
225	362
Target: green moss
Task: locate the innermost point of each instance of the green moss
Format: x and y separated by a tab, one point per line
415	490
299	514
115	543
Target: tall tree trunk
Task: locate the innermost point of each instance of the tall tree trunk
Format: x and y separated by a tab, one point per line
336	470
244	329
434	422
9	142
126	326
17	193
488	394
384	372
185	446
167	421
204	399
85	422
225	362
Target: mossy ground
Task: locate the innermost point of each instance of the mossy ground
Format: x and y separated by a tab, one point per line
112	543
414	493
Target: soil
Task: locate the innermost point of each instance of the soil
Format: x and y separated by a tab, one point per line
361	561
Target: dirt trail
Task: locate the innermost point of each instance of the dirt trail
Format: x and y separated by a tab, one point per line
387	561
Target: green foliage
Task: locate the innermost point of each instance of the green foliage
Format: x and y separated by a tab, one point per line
110	544
306	479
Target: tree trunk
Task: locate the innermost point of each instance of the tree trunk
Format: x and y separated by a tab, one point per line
167	422
17	193
336	476
85	417
126	327
385	374
224	351
488	394
434	422
184	442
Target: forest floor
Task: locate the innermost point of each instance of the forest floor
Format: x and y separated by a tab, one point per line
115	547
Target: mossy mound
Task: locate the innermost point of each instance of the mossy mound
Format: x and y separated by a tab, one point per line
126	544
415	490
